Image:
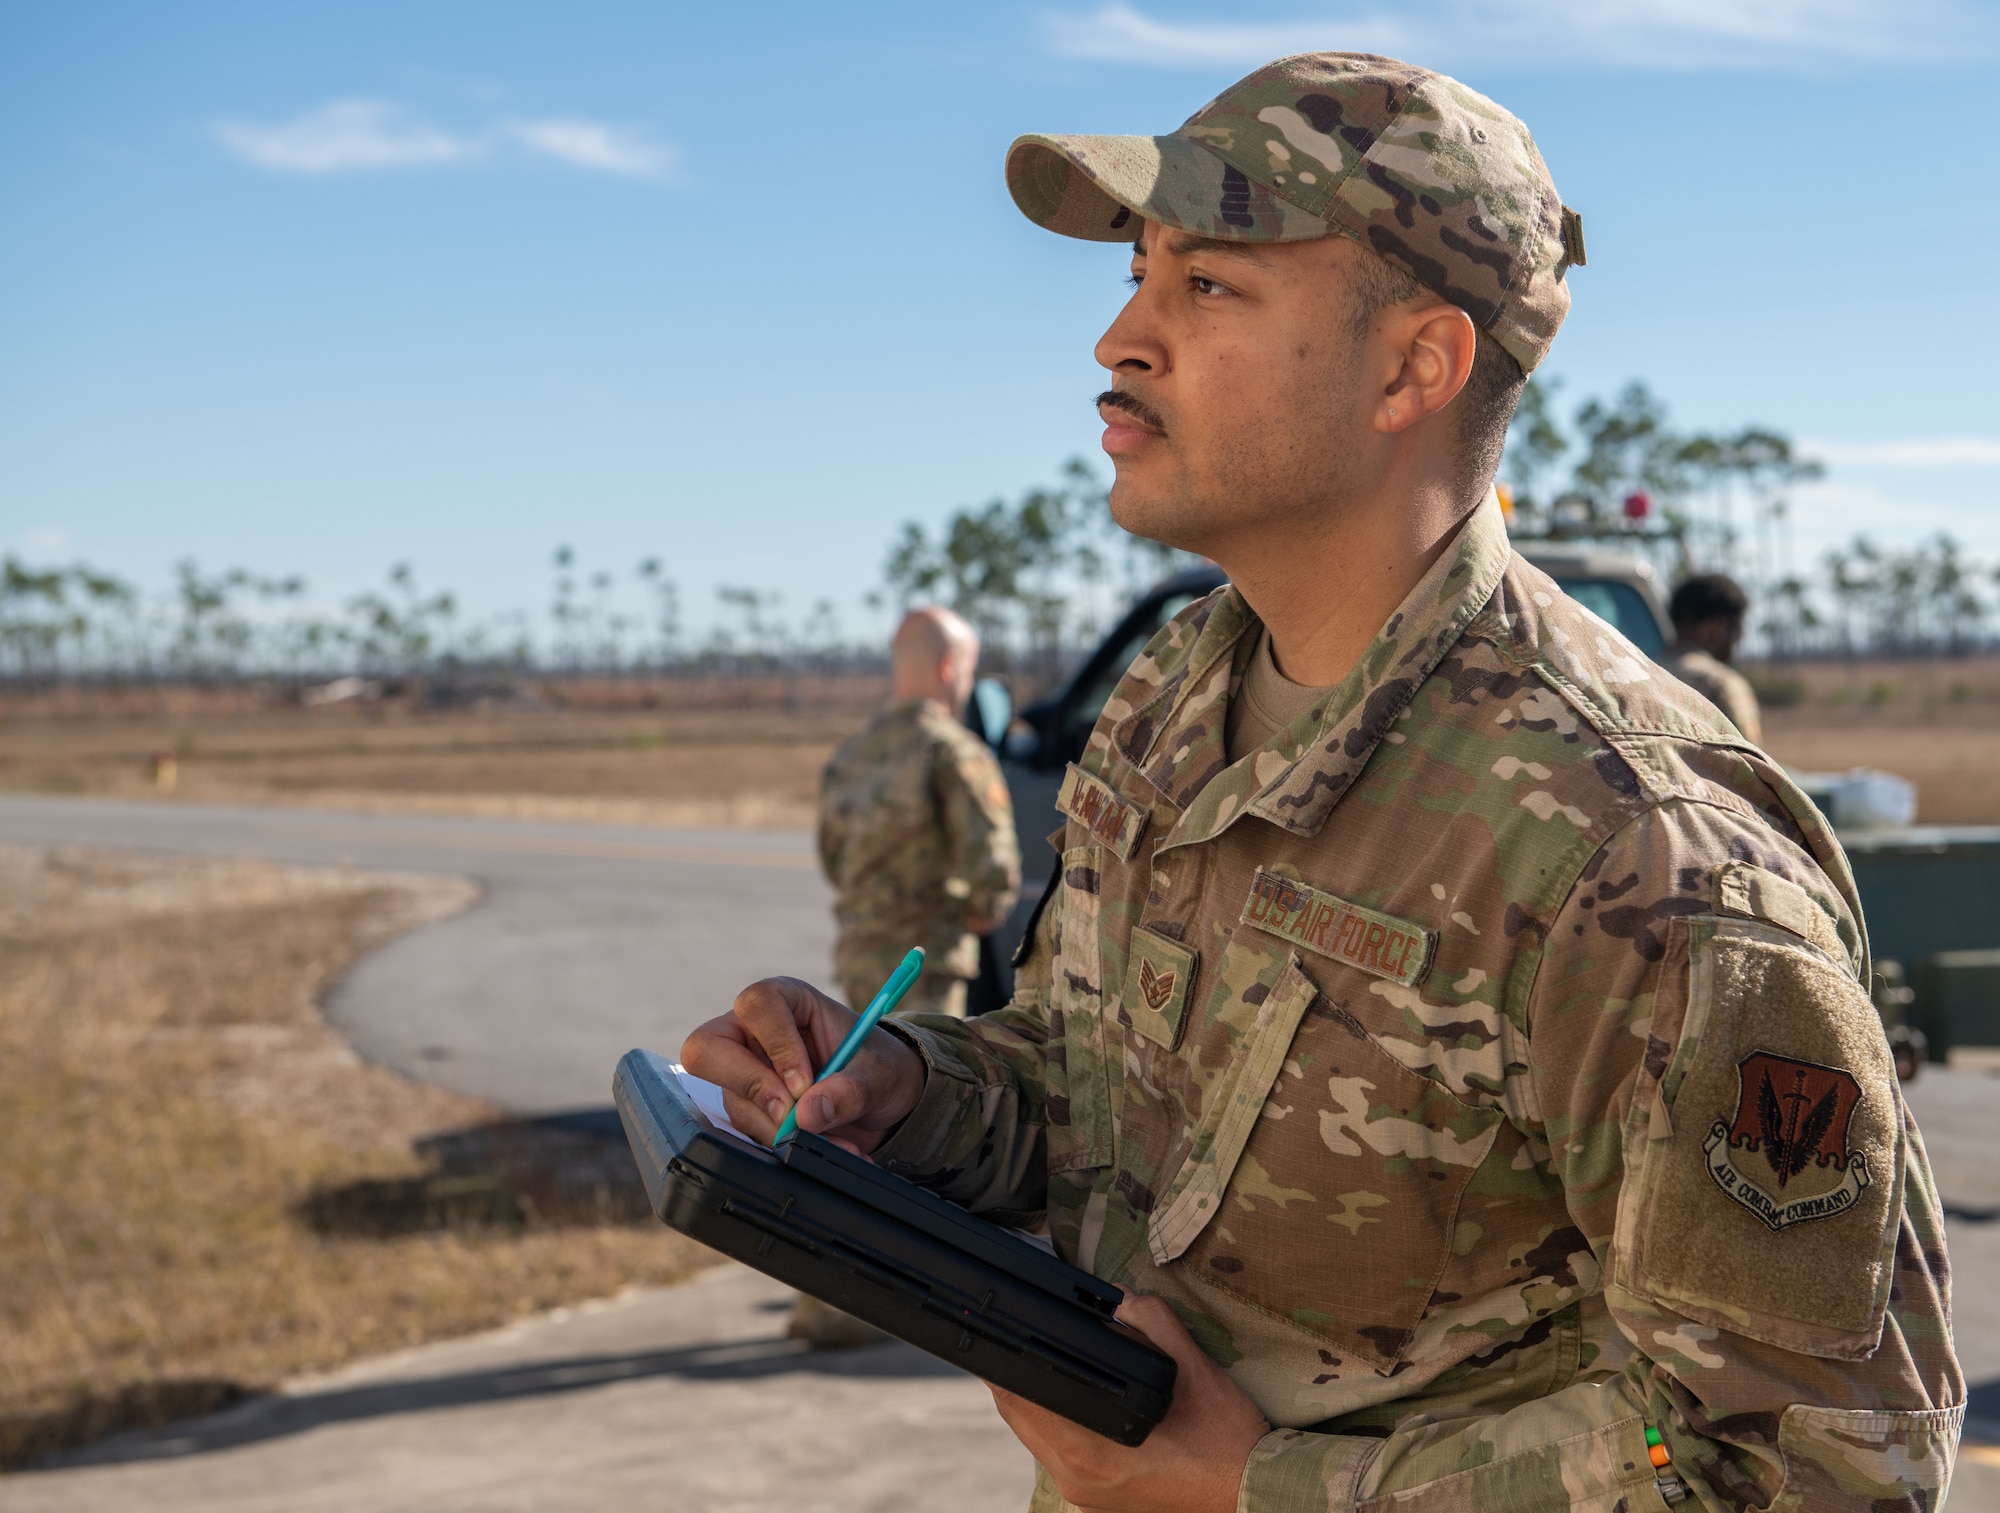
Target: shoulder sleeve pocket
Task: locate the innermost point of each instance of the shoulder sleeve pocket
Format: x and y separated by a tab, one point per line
1770	1210
1839	1457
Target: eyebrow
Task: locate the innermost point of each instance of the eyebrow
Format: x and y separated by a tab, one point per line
1185	243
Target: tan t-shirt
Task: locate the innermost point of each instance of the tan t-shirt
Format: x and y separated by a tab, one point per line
1267	702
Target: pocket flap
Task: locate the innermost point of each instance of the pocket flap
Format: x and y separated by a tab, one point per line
1229	1113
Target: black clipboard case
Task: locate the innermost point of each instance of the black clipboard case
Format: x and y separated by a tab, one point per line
905	1260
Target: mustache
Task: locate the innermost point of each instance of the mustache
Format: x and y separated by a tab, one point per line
1137	408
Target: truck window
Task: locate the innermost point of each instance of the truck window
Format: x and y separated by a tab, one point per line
1090	700
1622	605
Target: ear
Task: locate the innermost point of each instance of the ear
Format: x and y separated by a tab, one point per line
1433	347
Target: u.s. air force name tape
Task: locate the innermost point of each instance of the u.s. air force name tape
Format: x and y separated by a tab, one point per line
1377	943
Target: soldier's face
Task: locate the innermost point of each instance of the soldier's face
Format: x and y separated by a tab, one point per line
1238	387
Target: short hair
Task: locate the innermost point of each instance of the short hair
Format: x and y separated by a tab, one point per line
1492	390
1707	596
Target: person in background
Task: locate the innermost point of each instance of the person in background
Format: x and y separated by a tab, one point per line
916	831
1708	611
916	834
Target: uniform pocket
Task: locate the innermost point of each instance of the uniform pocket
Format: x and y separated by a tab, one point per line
1341	1212
1233	1096
1770	1210
1079	1062
1860	1457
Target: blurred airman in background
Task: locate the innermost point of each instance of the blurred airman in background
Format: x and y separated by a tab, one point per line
916	832
1708	612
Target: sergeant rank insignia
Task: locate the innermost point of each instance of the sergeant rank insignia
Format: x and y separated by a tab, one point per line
1784	1155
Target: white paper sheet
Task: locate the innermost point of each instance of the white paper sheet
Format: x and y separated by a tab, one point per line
707	1097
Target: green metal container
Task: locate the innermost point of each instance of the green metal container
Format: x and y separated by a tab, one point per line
1931	897
1958	999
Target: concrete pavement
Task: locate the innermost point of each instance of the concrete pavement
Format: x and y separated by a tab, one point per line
685	1398
689	1398
588	939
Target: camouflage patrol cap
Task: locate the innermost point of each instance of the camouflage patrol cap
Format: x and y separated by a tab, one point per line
1426	173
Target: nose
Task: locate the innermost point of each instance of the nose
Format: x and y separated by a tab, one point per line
1132	343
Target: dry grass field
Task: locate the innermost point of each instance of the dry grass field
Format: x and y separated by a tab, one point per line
203	1191
757	767
1956	767
629	754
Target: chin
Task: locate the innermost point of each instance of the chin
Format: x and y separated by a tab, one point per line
1155	514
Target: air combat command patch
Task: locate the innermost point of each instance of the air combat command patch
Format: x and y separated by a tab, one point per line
1793	1117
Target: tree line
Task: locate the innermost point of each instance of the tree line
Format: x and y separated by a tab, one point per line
1040	575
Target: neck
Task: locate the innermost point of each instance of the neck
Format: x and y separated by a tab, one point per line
1325	586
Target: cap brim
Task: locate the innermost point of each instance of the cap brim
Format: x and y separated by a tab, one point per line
1099	188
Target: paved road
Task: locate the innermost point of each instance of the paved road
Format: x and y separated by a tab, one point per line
690	1398
589	940
685	1398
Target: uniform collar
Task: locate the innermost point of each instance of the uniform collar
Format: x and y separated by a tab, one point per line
1175	739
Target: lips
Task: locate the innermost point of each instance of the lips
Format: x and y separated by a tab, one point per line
1118	414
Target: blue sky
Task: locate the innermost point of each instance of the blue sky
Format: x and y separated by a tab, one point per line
323	287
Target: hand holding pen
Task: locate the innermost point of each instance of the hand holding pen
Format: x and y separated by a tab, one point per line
879	1006
780	1043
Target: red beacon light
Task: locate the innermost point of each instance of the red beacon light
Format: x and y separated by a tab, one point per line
1638	505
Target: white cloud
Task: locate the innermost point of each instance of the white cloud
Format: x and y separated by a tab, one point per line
595	146
1636	33
348	136
366	136
1117	33
1900	513
42	542
1934	452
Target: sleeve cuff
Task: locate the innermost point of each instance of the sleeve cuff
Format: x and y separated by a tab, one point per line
1290	1469
915	1149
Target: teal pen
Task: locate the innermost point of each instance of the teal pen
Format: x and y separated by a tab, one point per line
892	994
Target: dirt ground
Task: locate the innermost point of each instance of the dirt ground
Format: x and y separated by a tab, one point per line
1956	767
1936	723
756	767
202	1189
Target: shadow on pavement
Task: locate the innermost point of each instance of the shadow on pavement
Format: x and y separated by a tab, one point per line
268	1418
549	1172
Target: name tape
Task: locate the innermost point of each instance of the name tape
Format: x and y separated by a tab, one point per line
1096	806
1367	939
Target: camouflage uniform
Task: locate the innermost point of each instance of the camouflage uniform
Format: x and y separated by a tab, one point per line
1719	683
1481	1069
916	834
